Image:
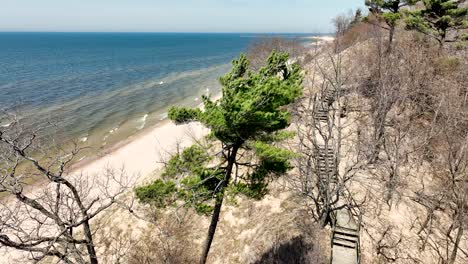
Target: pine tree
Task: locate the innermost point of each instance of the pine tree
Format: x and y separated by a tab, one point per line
357	17
437	18
246	124
389	11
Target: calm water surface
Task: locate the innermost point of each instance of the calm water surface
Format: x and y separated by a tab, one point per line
102	87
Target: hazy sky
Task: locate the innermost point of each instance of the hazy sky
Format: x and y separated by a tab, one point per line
172	15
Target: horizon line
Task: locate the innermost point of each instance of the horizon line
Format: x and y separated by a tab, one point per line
165	32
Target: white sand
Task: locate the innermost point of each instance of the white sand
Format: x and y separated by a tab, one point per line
141	155
322	38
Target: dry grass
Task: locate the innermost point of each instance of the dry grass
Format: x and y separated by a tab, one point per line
423	81
273	230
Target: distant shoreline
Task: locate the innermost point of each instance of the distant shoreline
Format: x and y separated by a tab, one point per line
325	38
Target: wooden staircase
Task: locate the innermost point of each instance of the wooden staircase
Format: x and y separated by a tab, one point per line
345	240
326	164
345	237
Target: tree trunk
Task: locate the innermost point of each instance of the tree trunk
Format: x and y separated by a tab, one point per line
453	256
90	244
379	133
326	217
390	39
218	205
441	47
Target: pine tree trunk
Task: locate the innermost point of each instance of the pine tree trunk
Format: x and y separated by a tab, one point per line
218	205
211	230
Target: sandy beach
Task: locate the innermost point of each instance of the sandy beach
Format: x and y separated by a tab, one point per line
141	154
321	40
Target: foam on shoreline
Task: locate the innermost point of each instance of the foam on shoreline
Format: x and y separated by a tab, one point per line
143	122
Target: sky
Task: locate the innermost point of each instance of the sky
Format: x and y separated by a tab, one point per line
268	16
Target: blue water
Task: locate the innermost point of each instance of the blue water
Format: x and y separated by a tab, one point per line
95	84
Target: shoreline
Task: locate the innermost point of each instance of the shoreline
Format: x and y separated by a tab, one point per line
184	133
139	153
321	40
110	149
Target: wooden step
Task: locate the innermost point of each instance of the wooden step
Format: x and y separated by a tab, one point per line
342	255
321	118
325	157
324	165
324	171
329	149
326	177
346	231
328	153
326	181
322	108
352	239
324	162
321	112
343	243
324	153
330	160
322	147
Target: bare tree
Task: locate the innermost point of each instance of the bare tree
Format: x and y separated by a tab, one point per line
405	113
328	158
446	197
54	218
